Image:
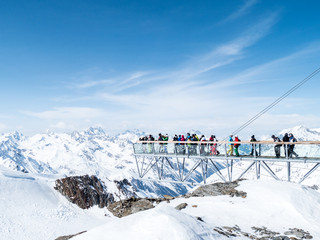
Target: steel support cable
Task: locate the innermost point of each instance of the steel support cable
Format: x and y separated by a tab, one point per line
276	102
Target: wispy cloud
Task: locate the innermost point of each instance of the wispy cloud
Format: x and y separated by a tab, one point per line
220	56
190	95
90	84
243	10
249	37
68	113
227	53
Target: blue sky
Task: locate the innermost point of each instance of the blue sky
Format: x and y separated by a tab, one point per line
158	66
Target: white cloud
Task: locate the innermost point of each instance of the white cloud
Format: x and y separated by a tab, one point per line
90	84
68	113
243	10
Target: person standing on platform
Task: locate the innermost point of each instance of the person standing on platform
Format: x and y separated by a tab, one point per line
202	145
213	150
236	146
165	145
151	139
253	139
230	151
285	146
291	146
277	146
160	138
182	147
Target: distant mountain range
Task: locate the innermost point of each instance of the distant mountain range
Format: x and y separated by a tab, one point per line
95	152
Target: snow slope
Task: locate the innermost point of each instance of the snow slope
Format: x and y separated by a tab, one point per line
273	204
31	209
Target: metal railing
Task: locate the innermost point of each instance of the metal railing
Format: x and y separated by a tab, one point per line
204	153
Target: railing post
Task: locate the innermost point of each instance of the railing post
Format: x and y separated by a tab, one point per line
257	161
288	163
259	150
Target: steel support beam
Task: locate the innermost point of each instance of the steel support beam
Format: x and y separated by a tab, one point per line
192	169
268	169
218	171
245	171
309	173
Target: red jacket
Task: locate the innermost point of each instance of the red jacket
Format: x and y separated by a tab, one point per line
236	139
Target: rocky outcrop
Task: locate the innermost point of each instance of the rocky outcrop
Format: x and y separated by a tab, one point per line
263	233
85	191
181	206
132	205
217	189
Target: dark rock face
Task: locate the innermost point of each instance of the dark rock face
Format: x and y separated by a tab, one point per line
181	206
85	191
217	189
69	236
132	205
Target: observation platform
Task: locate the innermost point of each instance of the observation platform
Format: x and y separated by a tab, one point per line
184	159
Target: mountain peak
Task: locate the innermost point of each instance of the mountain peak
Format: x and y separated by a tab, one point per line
95	131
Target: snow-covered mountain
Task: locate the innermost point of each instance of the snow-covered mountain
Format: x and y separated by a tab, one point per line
91	152
303	134
95	152
30	208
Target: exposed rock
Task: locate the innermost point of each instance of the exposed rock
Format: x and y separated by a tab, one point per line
125	187
181	206
69	236
84	191
281	238
218	189
199	219
168	197
132	205
314	187
262	233
299	233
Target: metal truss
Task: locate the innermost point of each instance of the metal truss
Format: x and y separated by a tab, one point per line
175	164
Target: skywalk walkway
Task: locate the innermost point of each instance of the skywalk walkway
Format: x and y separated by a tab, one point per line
188	161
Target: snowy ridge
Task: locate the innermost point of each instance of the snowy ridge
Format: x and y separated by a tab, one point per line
303	134
91	152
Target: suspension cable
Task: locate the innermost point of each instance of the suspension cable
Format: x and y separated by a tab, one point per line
276	102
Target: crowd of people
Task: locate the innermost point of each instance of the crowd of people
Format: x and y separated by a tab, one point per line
190	148
188	138
288	148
